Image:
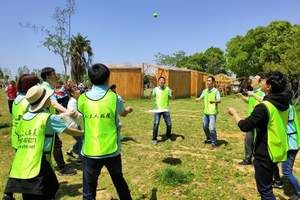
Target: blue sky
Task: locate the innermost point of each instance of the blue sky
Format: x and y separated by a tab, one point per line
124	31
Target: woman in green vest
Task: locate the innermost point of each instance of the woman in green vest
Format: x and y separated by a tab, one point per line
269	118
20	104
19	107
31	173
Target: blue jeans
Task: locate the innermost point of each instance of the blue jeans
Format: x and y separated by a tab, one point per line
209	127
287	170
91	171
167	118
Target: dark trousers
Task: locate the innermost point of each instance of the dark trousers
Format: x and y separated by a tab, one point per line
10	104
35	197
264	177
57	153
249	145
167	118
91	171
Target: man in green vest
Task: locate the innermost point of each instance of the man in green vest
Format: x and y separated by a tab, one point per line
31	173
100	108
254	97
269	119
49	80
212	98
162	94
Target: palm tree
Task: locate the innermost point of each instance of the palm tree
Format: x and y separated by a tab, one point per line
81	56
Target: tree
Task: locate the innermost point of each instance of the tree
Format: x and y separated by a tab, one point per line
23	70
215	60
57	39
263	49
81	56
169	60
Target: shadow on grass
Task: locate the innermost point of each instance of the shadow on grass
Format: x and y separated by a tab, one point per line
4	125
153	194
68	189
127	139
173	137
172	161
222	142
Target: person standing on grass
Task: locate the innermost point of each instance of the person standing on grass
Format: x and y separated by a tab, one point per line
74	94
19	107
102	143
293	134
11	94
49	81
254	97
270	119
162	94
212	98
31	173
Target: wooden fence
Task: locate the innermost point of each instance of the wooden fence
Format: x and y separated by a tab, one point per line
129	82
198	82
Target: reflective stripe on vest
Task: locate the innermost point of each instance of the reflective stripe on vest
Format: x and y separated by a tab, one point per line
296	123
252	102
277	138
210	108
162	98
31	136
18	110
100	127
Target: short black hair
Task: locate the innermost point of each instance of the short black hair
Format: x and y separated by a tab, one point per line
46	72
212	78
277	80
98	74
113	86
162	78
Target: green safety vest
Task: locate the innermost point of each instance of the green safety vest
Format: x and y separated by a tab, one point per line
210	108
277	138
100	126
252	102
296	122
162	98
28	158
18	110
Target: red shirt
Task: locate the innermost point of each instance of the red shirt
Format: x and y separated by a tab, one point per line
11	92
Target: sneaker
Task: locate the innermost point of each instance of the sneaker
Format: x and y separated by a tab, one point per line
67	171
277	184
245	162
207	142
154	142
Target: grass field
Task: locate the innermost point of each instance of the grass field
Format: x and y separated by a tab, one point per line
183	168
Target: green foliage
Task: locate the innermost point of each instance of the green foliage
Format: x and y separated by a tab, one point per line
81	56
1	74
264	49
169	60
173	176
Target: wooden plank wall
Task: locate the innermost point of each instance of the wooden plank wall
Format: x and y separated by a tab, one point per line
178	80
197	83
129	82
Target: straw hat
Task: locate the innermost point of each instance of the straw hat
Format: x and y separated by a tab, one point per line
37	97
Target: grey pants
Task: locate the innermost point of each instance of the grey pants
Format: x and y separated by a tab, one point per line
249	145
